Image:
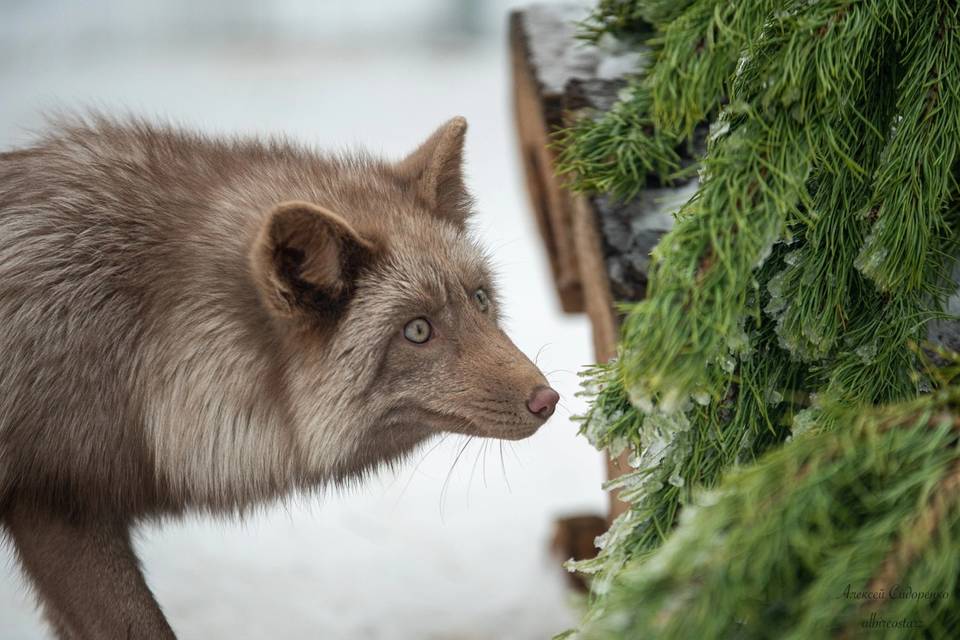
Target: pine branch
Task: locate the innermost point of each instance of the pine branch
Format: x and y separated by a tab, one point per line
630	18
917	173
754	188
945	496
617	152
815	515
784	305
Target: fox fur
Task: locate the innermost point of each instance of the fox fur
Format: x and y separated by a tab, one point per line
198	324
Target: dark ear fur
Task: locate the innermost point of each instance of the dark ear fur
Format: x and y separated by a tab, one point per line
436	169
306	258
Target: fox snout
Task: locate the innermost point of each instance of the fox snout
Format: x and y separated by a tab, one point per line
514	397
543	401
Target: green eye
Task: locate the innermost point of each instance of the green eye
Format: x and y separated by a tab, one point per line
417	330
482	300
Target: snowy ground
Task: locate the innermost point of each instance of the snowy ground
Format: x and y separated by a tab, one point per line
404	556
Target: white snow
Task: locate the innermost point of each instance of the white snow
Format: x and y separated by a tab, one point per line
401	557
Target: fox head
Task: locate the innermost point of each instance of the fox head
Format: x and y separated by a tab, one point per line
388	313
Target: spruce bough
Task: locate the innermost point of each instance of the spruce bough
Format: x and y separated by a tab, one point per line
789	435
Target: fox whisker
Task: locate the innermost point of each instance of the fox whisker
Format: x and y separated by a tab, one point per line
446	482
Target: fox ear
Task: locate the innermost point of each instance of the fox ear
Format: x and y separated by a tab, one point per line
436	170
306	259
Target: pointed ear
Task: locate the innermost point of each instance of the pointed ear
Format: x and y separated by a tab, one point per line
306	259
436	170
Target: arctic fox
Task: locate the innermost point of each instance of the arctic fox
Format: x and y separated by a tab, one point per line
197	324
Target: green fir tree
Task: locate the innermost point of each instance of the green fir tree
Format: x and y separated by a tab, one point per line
792	432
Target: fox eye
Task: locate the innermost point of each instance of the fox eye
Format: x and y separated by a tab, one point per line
482	300
417	330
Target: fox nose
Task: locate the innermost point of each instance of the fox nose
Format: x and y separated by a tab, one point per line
543	401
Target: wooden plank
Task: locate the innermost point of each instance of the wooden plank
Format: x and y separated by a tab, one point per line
600	308
598	301
551	203
567	221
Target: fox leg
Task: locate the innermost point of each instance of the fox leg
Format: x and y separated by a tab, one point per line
61	630
87	577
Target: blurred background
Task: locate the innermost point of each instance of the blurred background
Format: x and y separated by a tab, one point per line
434	550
